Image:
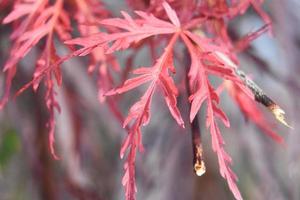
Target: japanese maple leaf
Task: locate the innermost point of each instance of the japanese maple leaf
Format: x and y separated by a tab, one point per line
38	20
139	114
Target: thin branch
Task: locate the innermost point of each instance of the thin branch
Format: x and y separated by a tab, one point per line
261	97
198	163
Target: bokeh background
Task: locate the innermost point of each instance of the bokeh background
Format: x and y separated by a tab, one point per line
88	137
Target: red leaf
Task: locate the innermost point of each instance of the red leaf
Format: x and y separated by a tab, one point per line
171	93
135	31
130	84
243	43
139	114
171	14
19	11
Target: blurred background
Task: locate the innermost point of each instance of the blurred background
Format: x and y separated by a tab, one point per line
88	137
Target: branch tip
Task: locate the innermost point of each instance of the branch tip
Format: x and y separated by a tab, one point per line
279	115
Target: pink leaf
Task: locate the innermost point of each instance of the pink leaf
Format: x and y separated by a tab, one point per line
171	14
171	92
130	84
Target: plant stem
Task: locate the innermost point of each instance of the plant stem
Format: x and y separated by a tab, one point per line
198	163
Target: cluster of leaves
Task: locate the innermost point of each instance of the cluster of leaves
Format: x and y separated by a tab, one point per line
36	22
202	27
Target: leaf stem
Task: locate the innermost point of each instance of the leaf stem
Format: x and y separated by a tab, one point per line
198	163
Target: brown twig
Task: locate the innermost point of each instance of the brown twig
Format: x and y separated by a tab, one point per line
261	97
198	163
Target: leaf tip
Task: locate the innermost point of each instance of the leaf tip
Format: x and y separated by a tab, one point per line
110	93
